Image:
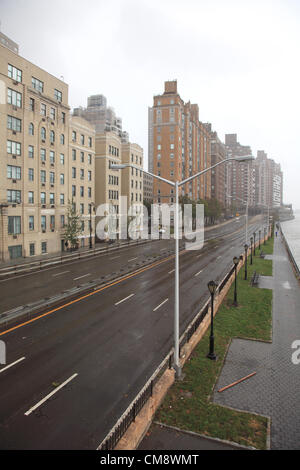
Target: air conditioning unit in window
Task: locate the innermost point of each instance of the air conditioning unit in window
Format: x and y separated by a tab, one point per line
43	184
15	82
52	185
43	163
43	140
14	132
52	205
14	181
52	164
14	156
43	206
43	231
15	236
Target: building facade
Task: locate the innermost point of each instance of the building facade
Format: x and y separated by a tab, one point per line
180	146
35	130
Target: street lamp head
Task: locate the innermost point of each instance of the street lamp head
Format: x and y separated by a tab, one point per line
212	286
235	261
245	159
121	166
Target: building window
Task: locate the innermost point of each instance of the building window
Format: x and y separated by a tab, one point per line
43	155
73	136
30	151
43	109
31	249
52	177
52	199
73	190
52	222
62	220
52	156
13	196
89	175
44	247
82	174
73	154
62	159
82	139
37	84
63	118
31	104
30	197
14	225
73	172
43	222
90	141
52	137
14	98
62	139
62	199
13	148
82	157
43	133
58	95
30	174
43	176
81	208
52	113
31	129
14	124
90	159
43	198
14	172
31	222
89	192
14	73
62	178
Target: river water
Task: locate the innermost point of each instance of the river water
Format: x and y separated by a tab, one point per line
291	230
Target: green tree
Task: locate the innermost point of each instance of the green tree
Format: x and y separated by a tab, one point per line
73	226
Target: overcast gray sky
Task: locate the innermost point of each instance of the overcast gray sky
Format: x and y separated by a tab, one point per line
238	59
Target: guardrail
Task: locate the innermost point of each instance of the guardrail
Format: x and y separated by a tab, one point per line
296	267
9	271
128	417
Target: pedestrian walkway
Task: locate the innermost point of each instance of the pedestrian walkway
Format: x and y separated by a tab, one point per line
274	390
167	438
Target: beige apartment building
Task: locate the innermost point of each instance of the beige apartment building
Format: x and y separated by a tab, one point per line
132	178
35	132
81	177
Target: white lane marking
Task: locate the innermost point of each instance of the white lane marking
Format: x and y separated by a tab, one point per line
170	272
199	272
199	255
123	300
49	395
156	308
163	249
219	257
115	257
80	277
132	259
59	274
12	364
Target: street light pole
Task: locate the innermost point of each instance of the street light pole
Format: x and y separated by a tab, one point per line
251	242
254	235
177	184
212	286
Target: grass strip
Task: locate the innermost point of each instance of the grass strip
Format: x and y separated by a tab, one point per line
187	404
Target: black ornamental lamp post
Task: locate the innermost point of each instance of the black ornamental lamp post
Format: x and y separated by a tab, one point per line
246	252
259	232
235	262
254	235
251	244
212	286
264	235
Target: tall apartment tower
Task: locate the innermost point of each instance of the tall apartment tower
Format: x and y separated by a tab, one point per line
218	154
180	146
269	181
240	179
34	158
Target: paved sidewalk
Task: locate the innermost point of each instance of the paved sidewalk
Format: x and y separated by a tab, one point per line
167	438
275	389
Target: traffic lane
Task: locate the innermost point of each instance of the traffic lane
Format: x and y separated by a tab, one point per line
30	288
133	332
24	290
